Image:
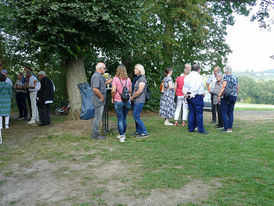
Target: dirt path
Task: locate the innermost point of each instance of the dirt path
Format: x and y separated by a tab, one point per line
42	182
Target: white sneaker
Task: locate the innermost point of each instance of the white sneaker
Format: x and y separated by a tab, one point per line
31	122
121	136
168	124
7	126
122	140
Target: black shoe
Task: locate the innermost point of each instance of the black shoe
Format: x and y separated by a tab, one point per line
213	122
42	124
192	131
99	137
204	132
141	135
135	134
219	127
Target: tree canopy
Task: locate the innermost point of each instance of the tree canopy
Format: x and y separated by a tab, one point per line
67	35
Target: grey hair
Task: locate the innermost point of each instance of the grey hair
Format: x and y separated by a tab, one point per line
195	67
100	65
220	74
228	69
188	65
219	68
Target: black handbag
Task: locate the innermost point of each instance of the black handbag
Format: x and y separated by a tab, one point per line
228	91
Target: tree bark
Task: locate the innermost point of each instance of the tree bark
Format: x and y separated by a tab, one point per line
75	73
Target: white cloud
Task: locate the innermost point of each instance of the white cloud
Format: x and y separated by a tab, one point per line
251	47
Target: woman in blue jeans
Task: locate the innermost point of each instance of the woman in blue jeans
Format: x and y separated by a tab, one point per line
119	83
138	99
228	103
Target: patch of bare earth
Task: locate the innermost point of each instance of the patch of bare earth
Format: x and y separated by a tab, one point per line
254	115
45	183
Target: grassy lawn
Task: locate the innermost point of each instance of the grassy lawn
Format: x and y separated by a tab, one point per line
229	169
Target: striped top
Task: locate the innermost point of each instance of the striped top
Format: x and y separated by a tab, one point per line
5	98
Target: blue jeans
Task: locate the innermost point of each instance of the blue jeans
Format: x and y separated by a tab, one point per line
121	109
227	109
140	127
195	115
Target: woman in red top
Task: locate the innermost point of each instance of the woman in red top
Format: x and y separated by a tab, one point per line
181	100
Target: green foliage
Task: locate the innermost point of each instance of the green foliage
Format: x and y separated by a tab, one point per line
156	34
260	92
69	27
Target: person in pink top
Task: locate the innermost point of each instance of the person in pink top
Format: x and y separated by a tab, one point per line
121	84
181	100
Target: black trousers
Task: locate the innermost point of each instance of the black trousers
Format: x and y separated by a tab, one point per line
220	120
29	102
213	110
21	104
44	113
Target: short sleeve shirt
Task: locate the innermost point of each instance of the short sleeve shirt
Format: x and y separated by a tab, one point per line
19	86
180	85
32	83
211	81
233	82
98	81
142	97
119	87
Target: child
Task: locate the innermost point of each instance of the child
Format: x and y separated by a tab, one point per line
215	92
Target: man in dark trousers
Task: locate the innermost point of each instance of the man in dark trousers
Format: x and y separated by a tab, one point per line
44	98
194	90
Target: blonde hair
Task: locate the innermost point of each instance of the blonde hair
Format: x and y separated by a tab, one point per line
141	68
121	72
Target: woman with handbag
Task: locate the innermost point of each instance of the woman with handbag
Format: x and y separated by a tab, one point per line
181	99
120	92
229	91
138	99
167	104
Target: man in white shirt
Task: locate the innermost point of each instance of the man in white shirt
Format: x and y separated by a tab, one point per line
32	86
194	91
210	84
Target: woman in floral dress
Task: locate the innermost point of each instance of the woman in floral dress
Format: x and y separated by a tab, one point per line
167	105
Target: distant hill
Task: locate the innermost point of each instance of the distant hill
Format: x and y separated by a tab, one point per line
269	71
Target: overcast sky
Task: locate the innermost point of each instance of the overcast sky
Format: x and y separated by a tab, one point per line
251	47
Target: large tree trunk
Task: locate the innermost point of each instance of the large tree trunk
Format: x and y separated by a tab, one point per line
75	73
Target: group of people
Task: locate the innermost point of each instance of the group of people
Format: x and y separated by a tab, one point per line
124	95
188	92
39	95
185	94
